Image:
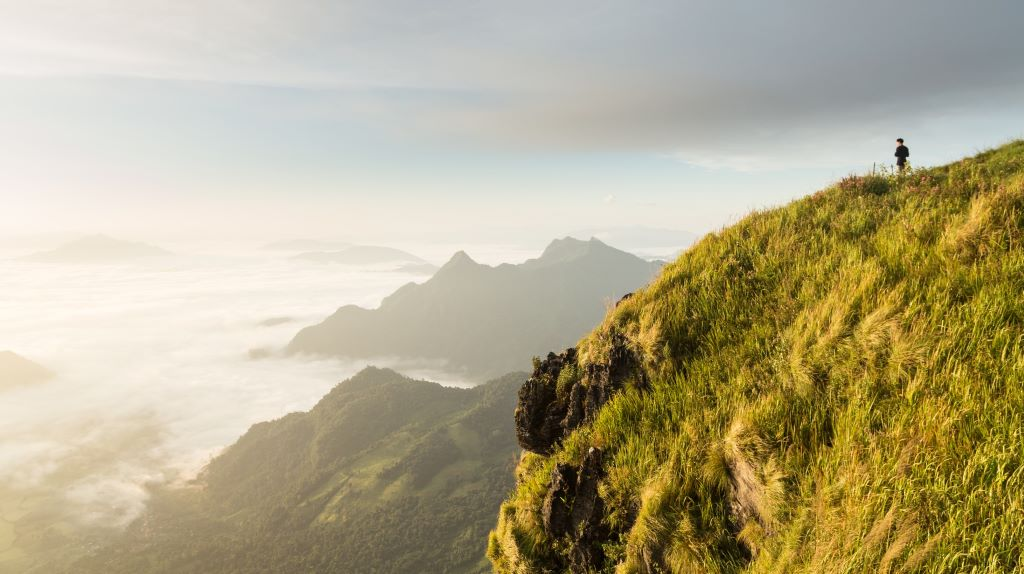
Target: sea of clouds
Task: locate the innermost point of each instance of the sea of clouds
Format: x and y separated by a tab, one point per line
154	375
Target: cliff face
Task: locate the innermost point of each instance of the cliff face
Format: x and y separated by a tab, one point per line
562	394
835	385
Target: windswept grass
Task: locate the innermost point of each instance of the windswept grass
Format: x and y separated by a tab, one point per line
851	362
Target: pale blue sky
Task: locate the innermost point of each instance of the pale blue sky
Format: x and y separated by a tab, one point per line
274	118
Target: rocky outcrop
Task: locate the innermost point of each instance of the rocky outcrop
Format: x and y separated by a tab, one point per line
539	413
573	507
556	510
560	395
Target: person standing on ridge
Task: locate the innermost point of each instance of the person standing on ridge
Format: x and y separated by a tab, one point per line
902	153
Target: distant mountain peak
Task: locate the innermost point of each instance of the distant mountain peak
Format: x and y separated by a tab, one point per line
98	248
569	248
16	370
461	260
485	319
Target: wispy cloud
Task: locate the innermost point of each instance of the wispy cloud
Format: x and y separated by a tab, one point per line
611	71
319	98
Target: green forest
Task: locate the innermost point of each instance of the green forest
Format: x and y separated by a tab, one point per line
384	474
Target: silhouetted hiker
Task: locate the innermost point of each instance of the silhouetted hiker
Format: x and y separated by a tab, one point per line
902	153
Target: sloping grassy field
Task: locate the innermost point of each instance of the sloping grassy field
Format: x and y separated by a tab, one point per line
854	358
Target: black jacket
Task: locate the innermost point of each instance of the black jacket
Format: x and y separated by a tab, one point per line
902	152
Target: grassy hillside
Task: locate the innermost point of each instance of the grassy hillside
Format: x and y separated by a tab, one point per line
830	386
384	474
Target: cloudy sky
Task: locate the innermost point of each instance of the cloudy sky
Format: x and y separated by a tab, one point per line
271	118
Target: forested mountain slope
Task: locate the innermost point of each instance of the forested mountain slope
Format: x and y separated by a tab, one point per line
385	474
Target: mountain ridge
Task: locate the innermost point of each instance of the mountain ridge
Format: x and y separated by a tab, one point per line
97	249
384	474
17	371
831	385
485	319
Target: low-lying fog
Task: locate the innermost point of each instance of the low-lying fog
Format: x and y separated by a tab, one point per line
154	374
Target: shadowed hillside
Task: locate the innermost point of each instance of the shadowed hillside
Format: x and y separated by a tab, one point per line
384	474
486	320
830	386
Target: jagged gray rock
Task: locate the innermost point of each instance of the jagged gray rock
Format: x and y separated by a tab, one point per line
573	507
539	413
555	513
552	405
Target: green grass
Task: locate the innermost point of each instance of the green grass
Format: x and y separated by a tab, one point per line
858	353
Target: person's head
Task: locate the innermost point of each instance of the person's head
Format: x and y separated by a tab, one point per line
899	141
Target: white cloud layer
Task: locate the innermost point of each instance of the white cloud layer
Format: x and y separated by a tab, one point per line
581	74
153	373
